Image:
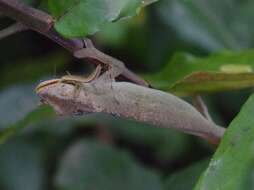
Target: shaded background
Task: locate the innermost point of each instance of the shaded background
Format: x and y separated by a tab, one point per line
99	151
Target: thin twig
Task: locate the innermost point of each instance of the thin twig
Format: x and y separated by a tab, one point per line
71	45
200	105
13	29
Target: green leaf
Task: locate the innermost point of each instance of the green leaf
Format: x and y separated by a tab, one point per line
89	165
186	178
232	163
188	75
114	34
79	18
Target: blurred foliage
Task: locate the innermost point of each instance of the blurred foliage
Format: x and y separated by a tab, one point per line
88	165
170	43
186	178
22	166
213	25
28	67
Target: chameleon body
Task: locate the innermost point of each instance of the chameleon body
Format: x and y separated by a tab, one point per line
130	101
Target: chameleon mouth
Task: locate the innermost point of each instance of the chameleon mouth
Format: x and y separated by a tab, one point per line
44	84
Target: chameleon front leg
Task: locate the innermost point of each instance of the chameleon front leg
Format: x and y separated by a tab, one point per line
113	66
72	79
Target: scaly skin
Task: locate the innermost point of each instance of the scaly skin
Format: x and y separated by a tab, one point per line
130	101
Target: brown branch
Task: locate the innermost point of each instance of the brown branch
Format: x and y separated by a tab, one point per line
43	23
32	18
71	45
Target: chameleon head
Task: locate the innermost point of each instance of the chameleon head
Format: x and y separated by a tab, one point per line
61	96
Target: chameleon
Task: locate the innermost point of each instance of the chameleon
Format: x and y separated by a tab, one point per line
101	93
